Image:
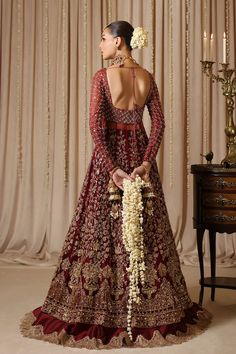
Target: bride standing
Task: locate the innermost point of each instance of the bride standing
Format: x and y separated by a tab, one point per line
86	304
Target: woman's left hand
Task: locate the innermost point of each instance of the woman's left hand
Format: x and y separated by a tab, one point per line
142	172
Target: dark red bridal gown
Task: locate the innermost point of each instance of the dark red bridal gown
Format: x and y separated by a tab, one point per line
86	305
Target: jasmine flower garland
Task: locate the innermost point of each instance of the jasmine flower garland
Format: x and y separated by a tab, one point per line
139	38
133	239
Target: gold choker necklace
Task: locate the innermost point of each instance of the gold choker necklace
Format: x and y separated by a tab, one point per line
120	59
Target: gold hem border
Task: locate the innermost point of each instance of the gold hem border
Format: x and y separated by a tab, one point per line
122	340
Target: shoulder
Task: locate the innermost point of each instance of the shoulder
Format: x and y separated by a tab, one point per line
153	83
99	75
151	75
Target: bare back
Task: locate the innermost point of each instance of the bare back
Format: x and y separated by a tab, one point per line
128	86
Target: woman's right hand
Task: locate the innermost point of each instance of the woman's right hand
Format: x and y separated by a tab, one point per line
118	177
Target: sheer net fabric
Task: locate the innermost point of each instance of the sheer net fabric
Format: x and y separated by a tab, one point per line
86	304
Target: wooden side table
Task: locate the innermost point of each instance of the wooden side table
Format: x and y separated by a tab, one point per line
214	209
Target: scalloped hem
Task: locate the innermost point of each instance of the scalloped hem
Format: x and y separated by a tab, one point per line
94	336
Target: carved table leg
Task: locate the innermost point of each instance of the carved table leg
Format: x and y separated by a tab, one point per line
200	233
212	236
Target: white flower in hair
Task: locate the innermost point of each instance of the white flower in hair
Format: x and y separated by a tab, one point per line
139	38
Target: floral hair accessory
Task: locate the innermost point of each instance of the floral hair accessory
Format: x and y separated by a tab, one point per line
139	38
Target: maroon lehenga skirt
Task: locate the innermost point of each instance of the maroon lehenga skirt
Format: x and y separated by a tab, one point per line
86	305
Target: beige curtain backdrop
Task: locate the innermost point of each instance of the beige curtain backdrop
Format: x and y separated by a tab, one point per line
49	53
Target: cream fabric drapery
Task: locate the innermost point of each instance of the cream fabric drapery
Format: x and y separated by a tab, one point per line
49	53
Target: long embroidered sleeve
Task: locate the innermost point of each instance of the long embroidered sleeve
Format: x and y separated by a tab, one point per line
96	117
157	125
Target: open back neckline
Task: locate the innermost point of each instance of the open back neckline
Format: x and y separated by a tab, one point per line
125	67
136	106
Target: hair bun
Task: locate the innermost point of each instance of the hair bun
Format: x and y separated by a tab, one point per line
139	38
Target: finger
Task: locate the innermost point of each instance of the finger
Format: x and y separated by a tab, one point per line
130	178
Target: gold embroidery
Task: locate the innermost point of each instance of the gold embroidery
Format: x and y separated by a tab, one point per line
149	207
117	285
90	272
75	274
115	210
65	263
122	340
115	195
150	284
162	270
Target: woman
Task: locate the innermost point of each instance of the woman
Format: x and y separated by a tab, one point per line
86	305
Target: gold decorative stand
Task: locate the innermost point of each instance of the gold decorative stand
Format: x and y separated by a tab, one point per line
229	91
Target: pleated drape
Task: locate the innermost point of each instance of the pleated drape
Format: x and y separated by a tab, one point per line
49	53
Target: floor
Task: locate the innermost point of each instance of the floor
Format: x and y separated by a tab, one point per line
24	287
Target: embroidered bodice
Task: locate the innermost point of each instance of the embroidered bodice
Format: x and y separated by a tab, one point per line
103	111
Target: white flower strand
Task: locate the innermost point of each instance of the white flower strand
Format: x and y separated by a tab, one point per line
139	38
133	239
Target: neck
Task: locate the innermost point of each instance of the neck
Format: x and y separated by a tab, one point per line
126	57
126	53
121	58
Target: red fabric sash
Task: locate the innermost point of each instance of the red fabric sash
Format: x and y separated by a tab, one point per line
125	126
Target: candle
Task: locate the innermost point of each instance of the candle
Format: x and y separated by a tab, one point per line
204	46
224	48
211	47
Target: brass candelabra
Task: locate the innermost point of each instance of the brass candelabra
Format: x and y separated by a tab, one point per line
229	91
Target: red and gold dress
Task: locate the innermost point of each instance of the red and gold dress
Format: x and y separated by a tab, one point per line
86	305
